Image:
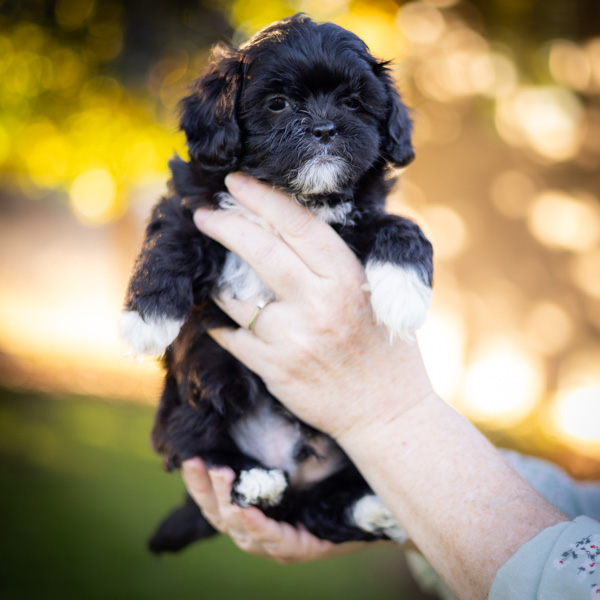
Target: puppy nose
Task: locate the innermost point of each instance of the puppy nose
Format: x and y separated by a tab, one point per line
324	131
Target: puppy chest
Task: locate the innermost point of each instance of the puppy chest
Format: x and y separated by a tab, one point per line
240	280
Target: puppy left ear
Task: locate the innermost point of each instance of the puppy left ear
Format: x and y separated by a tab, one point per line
397	129
208	115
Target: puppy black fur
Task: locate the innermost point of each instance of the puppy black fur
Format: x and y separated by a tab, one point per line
305	107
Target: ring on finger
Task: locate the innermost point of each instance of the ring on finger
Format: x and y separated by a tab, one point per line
259	307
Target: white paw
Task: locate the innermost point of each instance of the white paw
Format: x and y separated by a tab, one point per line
260	487
147	336
370	514
399	297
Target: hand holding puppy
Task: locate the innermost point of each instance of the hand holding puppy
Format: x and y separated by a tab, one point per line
249	528
319	339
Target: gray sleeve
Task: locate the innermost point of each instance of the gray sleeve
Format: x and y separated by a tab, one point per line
571	497
560	563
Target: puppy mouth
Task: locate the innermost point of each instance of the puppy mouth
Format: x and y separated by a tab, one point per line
321	174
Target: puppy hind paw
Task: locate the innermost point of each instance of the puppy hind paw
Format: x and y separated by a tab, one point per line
399	297
259	487
147	335
371	515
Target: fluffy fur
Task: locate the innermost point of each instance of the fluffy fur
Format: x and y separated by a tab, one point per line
305	107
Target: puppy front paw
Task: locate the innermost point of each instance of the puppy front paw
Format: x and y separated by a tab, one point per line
149	335
371	515
259	487
399	297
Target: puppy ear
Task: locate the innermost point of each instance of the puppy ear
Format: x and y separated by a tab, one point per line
397	130
208	114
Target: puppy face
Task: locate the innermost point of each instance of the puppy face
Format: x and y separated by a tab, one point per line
301	105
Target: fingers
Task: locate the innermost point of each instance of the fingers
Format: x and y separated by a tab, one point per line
200	488
249	528
311	239
242	344
273	260
246	314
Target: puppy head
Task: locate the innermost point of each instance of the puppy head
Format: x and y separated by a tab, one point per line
302	105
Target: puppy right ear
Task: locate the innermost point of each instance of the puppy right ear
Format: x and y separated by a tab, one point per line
397	142
208	114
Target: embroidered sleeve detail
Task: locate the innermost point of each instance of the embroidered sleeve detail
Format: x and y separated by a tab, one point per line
582	559
560	563
573	567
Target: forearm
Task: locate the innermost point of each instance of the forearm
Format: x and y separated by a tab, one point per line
460	502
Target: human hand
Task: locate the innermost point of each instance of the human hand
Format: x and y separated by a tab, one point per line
319	339
249	528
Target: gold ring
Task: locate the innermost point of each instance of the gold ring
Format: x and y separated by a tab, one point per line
259	307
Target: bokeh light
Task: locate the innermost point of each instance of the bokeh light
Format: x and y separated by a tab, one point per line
503	384
549	120
94	196
563	221
575	414
443	343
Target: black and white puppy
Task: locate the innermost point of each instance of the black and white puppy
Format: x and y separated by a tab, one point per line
306	108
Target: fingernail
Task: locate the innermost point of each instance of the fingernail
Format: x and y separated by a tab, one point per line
236	181
192	464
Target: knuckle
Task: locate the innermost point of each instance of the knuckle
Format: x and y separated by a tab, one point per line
300	223
214	520
243	543
264	251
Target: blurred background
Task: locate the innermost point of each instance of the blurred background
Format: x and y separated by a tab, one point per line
506	99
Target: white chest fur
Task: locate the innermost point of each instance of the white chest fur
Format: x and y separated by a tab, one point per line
241	280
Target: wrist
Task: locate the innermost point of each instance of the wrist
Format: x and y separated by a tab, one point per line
403	413
393	385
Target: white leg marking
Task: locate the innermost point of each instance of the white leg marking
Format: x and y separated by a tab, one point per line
399	298
147	336
260	486
370	514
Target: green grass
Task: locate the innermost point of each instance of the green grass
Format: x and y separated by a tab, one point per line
81	491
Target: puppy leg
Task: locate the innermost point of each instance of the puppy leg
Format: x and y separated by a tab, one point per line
161	289
259	486
180	528
326	510
399	271
371	515
254	484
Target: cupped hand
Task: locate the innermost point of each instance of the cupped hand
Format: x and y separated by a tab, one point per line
317	346
249	528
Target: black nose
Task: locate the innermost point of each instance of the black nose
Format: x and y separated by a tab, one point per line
324	131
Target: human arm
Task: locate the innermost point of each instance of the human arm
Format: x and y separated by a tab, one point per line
321	353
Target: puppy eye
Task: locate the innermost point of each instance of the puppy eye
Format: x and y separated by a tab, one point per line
351	103
277	105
